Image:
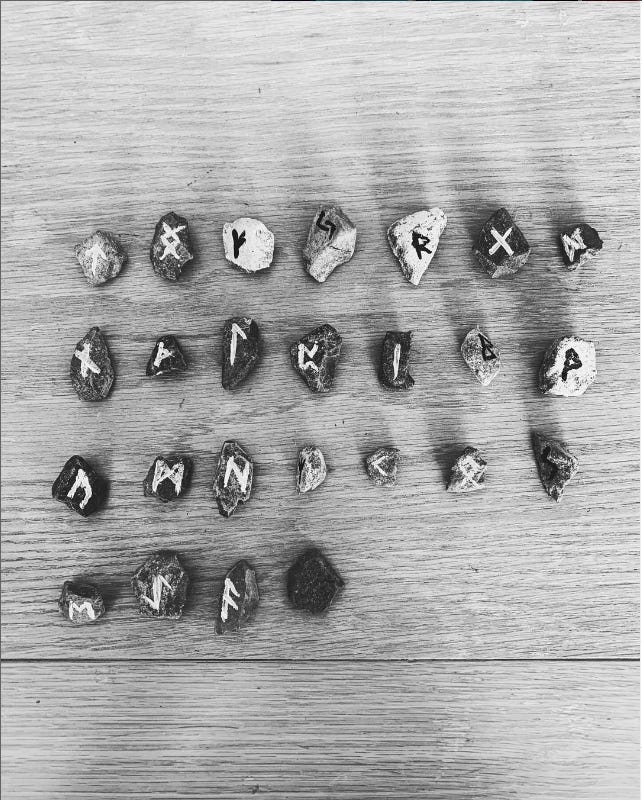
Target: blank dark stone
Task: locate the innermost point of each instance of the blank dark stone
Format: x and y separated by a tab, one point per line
312	582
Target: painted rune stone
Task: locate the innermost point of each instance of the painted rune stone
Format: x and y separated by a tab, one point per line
79	487
312	582
382	466
330	243
395	360
239	598
568	368
91	370
160	586
233	478
311	470
241	349
501	247
414	241
81	603
171	246
166	357
101	257
168	477
315	357
578	244
481	355
555	463
468	472
248	244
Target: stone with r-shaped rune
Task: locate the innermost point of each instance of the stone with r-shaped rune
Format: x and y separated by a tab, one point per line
331	241
569	367
239	598
166	357
248	244
315	357
555	463
233	478
171	247
501	247
80	487
241	348
91	369
160	586
414	239
101	257
481	355
168	477
81	603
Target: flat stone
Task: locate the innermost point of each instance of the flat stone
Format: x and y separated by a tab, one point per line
468	472
315	356
101	257
569	367
501	249
241	349
233	478
166	357
168	477
311	469
579	243
414	241
248	244
330	243
239	598
395	360
160	586
81	603
481	355
382	466
312	582
91	370
171	246
555	463
79	487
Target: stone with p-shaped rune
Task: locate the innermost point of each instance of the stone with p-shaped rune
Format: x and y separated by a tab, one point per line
248	244
414	241
160	586
330	243
395	360
311	469
468	472
578	243
481	355
239	598
568	368
312	582
101	257
315	357
81	603
233	478
240	350
91	371
166	357
501	247
555	463
382	466
168	477
79	487
171	246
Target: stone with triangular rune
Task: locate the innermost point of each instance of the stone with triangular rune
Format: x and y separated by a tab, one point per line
568	368
315	356
501	247
160	586
91	370
171	247
555	463
101	257
233	478
468	472
81	603
240	350
166	357
248	244
311	469
414	241
331	241
481	355
80	487
168	477
382	466
239	598
578	244
394	371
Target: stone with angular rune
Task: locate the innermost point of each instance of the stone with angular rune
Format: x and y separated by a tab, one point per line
481	355
101	257
233	478
81	603
311	469
315	357
569	367
160	586
79	487
168	477
240	350
468	472
555	463
239	598
166	357
395	360
501	248
330	243
312	582
248	244
578	243
91	371
382	466
171	246
414	241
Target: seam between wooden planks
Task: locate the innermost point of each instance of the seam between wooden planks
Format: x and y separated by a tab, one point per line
169	661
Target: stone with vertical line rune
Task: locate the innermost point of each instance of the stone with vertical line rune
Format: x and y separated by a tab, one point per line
248	244
501	247
101	257
394	369
240	350
91	370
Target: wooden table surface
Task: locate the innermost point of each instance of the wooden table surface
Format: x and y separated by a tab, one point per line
485	646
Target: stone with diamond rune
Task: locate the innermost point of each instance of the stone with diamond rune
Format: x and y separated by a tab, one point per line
166	357
395	360
248	244
171	246
555	463
331	241
312	582
239	598
382	466
414	241
481	355
501	247
568	368
79	487
91	370
315	357
578	244
311	469
168	477
160	586
468	472
233	478
101	257
81	603
240	350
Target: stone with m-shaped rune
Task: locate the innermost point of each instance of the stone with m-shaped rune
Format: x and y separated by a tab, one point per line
171	247
501	248
248	244
101	257
81	603
91	369
168	477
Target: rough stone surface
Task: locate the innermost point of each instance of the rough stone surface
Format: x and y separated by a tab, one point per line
101	257
568	368
501	248
311	469
160	586
395	360
579	243
248	244
239	598
330	243
233	478
81	603
468	472
79	487
315	357
166	357
414	241
382	466
312	582
168	477
240	350
556	465
481	355
91	370
171	246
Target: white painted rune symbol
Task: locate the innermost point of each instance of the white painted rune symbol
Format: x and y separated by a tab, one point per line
236	332
395	360
573	243
377	464
81	482
241	477
85	606
170	240
161	354
163	471
500	241
227	599
157	591
96	252
86	363
471	471
303	351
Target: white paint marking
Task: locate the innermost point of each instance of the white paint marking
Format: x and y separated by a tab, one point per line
573	243
86	363
161	354
170	240
96	252
471	471
395	361
241	477
157	589
377	464
303	351
500	241
162	471
227	599
81	482
84	606
236	332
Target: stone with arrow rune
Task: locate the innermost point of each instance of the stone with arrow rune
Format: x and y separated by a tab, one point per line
569	367
166	357
331	242
239	598
160	586
481	355
414	239
171	247
555	463
382	466
91	370
248	244
101	257
240	350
